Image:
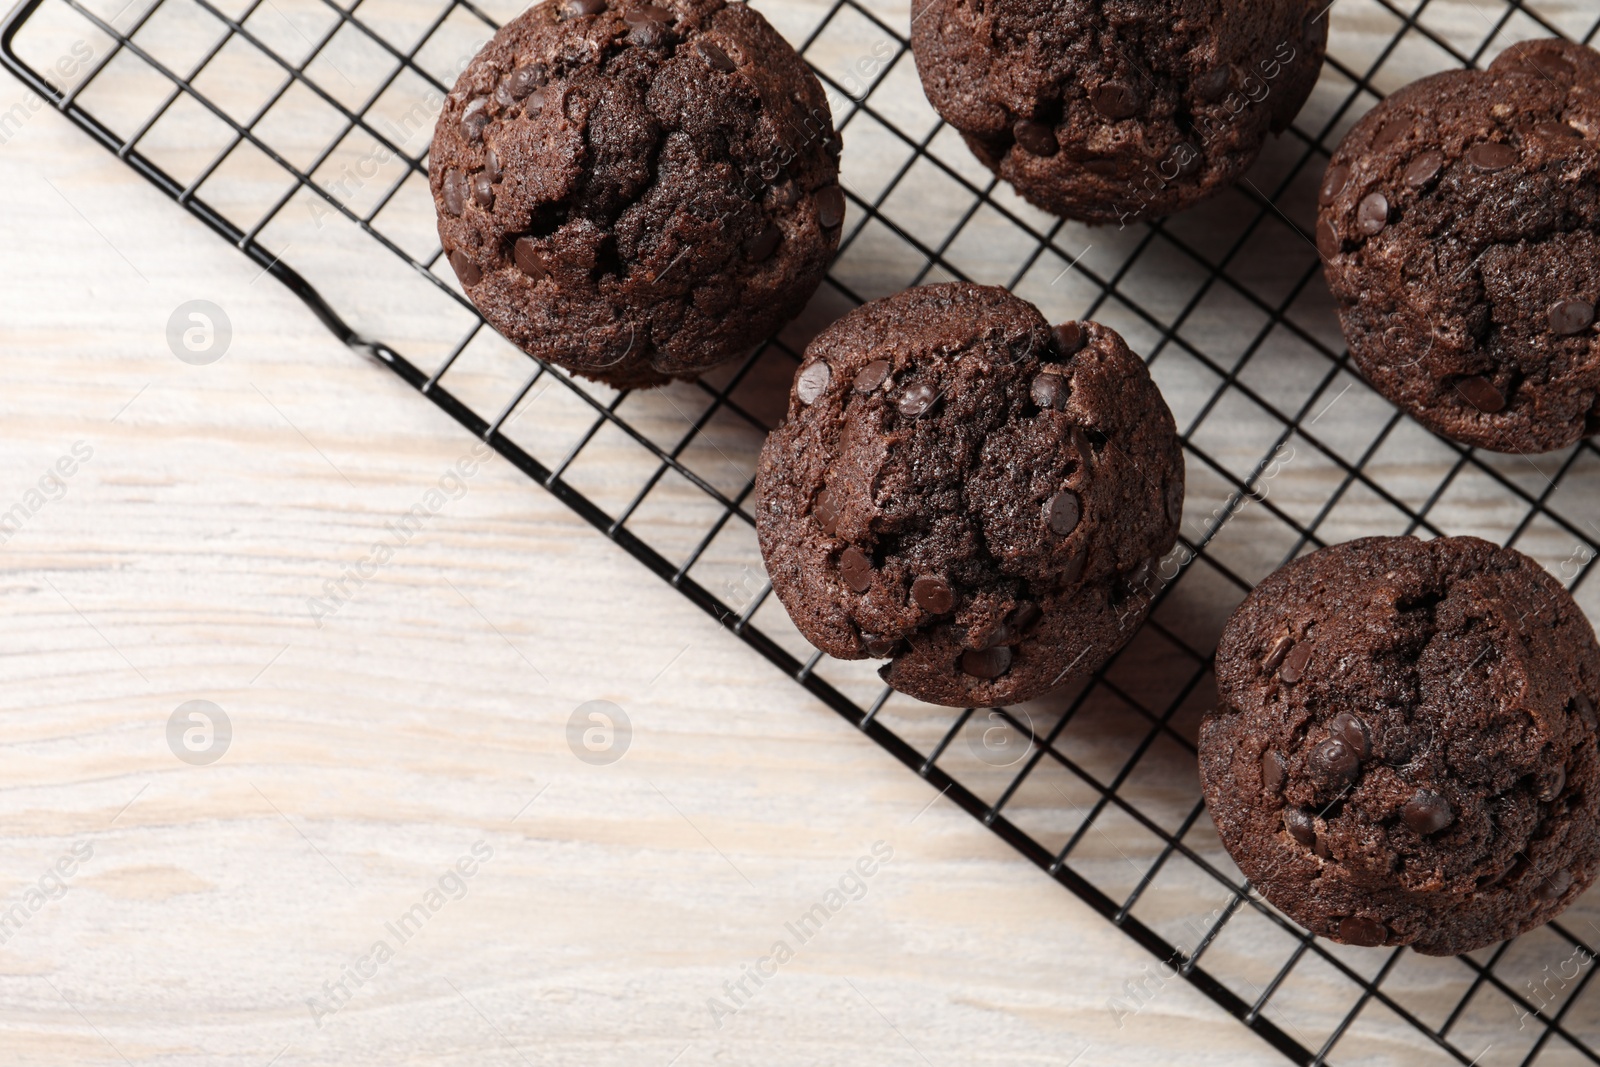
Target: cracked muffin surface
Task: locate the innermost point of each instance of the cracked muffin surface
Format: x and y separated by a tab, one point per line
637	192
1404	749
1460	230
1108	112
968	493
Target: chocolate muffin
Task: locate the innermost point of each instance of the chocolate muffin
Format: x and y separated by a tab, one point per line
1403	751
969	494
1460	227
637	192
1118	112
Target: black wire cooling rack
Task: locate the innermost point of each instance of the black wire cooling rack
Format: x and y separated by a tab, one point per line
298	130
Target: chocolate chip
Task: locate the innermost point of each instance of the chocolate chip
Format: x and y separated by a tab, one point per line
1551	66
1213	84
1036	138
1492	156
502	95
825	509
572	9
1552	785
482	191
1328	242
1427	812
1333	183
1334	762
1301	826
537	100
525	80
1116	100
1050	392
1570	316
987	663
1075	567
1349	728
1023	616
830	206
455	197
715	57
856	569
1586	711
1424	169
465	268
1274	769
1367	933
1481	394
648	34
474	117
1067	339
1280	648
647	14
1062	512
872	375
1391	132
1294	665
759	248
491	165
812	381
1551	888
879	646
529	259
933	593
1373	214
1559	131
917	399
998	636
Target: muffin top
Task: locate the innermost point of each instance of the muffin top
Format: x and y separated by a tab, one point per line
1404	746
966	491
1116	112
637	191
1460	225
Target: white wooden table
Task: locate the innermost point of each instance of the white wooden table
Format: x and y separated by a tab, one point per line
371	753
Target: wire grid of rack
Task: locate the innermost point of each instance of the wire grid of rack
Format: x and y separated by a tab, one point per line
297	130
